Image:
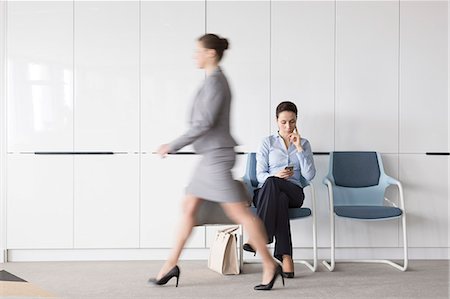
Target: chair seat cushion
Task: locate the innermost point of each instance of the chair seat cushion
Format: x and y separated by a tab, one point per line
367	212
294	213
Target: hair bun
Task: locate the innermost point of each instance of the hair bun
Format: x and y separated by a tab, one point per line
214	42
224	43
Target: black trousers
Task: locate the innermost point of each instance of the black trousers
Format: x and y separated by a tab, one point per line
272	202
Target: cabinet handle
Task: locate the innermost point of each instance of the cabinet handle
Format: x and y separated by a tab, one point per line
194	153
74	153
237	153
437	154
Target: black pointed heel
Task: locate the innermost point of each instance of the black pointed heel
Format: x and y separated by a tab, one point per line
249	248
288	274
269	286
174	272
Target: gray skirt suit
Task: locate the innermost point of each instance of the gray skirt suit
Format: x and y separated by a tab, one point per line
209	132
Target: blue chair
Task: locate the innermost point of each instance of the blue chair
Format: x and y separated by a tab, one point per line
356	185
251	183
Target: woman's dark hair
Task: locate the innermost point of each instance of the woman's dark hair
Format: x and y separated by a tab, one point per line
212	41
286	106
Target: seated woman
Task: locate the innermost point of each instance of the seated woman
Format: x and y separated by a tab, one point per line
282	160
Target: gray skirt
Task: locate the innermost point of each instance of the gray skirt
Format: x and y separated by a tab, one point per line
212	179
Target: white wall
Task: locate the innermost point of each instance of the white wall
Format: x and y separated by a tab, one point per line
119	77
448	115
423	105
167	30
2	130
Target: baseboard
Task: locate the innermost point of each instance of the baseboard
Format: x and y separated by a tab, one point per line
28	255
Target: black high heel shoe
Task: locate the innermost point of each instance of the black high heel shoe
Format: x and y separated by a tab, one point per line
269	286
174	272
249	248
288	274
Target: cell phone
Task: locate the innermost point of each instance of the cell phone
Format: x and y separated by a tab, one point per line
290	168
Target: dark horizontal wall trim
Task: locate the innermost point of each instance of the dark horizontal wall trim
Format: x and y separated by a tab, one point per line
194	153
238	153
185	153
74	153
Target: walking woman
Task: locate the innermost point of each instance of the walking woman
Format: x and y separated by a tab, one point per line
209	133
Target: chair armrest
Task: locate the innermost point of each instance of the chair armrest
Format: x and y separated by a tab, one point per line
392	181
327	181
313	195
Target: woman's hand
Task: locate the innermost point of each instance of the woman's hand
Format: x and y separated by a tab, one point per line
295	138
284	174
163	150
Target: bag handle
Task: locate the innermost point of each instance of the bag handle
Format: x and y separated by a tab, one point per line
229	230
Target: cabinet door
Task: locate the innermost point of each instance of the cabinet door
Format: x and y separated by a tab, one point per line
302	67
425	180
106	194
106	76
40	202
40	71
163	183
169	33
367	76
246	25
423	76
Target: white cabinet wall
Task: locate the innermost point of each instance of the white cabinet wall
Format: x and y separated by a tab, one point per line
423	77
39	76
302	67
163	184
169	31
106	188
106	207
367	76
106	55
366	102
39	118
120	76
246	25
40	202
425	180
424	120
3	147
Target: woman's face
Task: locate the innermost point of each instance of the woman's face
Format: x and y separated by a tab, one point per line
203	56
286	122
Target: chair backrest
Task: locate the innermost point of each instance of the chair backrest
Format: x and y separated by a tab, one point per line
250	170
358	178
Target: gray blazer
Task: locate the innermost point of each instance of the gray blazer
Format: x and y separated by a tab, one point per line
210	117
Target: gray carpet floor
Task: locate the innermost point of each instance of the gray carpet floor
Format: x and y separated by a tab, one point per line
424	279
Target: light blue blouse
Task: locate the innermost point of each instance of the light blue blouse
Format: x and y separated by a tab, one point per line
273	156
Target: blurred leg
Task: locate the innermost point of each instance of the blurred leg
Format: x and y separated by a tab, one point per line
240	214
188	221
